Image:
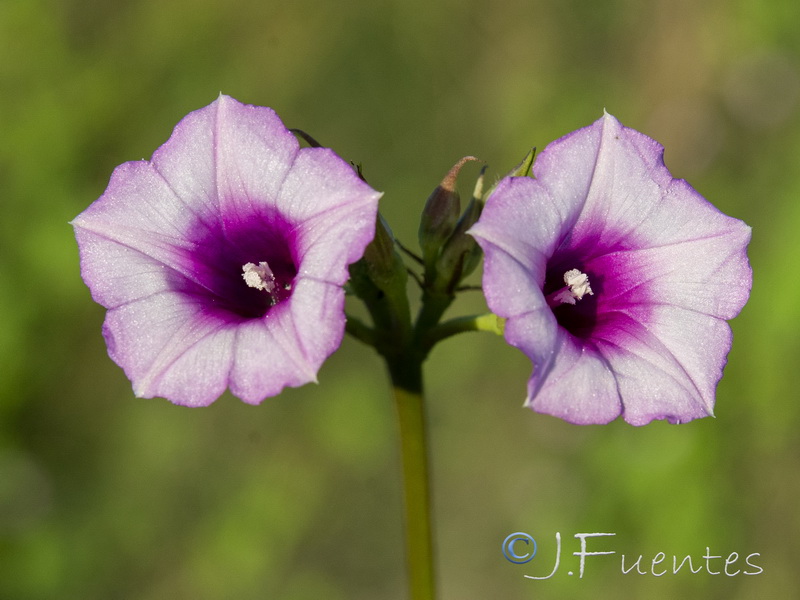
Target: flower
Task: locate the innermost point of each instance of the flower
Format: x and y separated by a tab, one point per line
616	280
221	259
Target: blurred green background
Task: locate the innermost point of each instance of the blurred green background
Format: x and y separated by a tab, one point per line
106	496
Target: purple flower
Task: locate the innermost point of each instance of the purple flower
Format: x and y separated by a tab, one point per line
221	260
615	280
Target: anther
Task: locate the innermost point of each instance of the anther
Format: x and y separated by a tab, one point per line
577	286
259	276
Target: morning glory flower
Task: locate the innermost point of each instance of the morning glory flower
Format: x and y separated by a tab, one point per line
616	280
221	260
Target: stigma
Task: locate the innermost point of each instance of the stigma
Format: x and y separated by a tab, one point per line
577	286
259	276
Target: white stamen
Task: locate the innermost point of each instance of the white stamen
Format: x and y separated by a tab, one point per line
259	276
578	284
577	287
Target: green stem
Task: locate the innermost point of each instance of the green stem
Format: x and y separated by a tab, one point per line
434	304
488	322
360	330
406	374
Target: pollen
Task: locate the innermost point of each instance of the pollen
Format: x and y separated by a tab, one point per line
259	276
577	286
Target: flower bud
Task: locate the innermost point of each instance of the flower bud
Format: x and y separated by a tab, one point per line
461	254
440	215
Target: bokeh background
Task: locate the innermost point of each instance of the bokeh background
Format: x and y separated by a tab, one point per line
103	495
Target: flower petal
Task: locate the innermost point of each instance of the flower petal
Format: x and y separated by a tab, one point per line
669	367
578	386
334	210
526	221
246	140
138	212
520	293
169	347
268	359
118	274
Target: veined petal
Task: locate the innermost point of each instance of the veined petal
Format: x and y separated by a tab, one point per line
331	206
525	221
268	358
188	165
526	293
319	182
118	273
139	211
537	334
285	348
248	140
668	367
317	318
717	286
578	386
628	181
169	346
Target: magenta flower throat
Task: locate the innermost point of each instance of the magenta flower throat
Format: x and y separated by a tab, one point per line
221	260
615	278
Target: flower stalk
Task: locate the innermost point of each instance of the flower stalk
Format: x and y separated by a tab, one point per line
406	375
404	341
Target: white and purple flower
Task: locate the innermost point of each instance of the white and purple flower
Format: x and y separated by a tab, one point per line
221	260
616	280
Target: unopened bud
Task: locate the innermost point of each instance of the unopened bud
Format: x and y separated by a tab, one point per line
461	254
440	214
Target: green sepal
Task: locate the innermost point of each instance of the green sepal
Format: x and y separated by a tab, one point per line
379	279
525	168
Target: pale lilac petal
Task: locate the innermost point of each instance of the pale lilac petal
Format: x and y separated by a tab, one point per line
284	349
628	182
138	213
120	273
320	336
268	358
169	346
326	212
717	286
579	387
525	222
318	182
248	140
521	292
187	165
670	364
